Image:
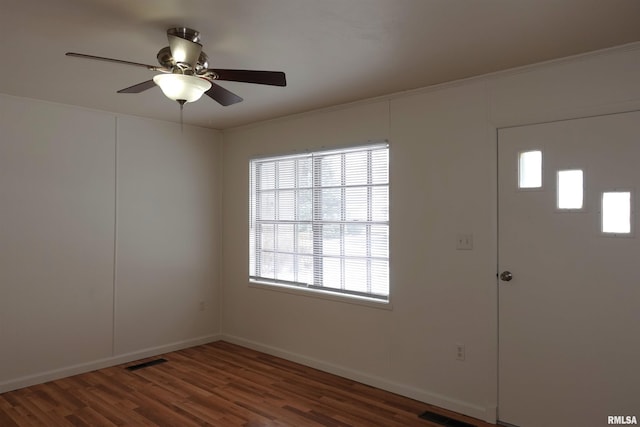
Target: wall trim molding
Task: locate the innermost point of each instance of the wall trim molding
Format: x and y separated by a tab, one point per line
106	362
484	413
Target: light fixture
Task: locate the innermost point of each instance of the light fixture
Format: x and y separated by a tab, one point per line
181	87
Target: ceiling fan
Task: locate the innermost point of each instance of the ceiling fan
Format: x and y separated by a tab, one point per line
185	74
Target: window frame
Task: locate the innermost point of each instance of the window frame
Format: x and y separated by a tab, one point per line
316	222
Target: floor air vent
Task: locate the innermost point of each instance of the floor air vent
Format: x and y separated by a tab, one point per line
145	364
443	420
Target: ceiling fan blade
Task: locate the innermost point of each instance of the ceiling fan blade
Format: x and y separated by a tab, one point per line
222	96
118	61
140	87
273	78
184	51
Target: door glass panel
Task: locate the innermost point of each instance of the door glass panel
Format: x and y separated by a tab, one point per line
530	169
570	189
616	212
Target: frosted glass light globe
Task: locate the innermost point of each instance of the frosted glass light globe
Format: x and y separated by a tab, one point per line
180	87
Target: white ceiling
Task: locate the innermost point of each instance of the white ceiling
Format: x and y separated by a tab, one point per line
333	51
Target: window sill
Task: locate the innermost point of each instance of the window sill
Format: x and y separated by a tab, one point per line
316	293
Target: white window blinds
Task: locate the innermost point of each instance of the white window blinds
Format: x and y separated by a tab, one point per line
321	220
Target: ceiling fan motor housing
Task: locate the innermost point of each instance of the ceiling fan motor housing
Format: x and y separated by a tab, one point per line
166	56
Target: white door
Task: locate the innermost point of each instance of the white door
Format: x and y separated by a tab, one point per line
569	318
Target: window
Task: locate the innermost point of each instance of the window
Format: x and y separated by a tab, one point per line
616	212
570	189
530	169
321	221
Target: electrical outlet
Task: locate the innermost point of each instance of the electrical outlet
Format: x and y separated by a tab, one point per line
464	242
460	352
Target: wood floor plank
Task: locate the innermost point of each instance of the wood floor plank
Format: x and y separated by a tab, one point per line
7	415
218	384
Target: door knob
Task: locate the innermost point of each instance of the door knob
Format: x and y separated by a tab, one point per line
506	276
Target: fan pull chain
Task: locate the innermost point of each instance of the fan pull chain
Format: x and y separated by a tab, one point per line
181	102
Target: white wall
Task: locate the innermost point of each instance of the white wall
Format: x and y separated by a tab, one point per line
57	170
443	182
67	177
169	234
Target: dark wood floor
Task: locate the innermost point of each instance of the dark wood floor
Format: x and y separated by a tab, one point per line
218	384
